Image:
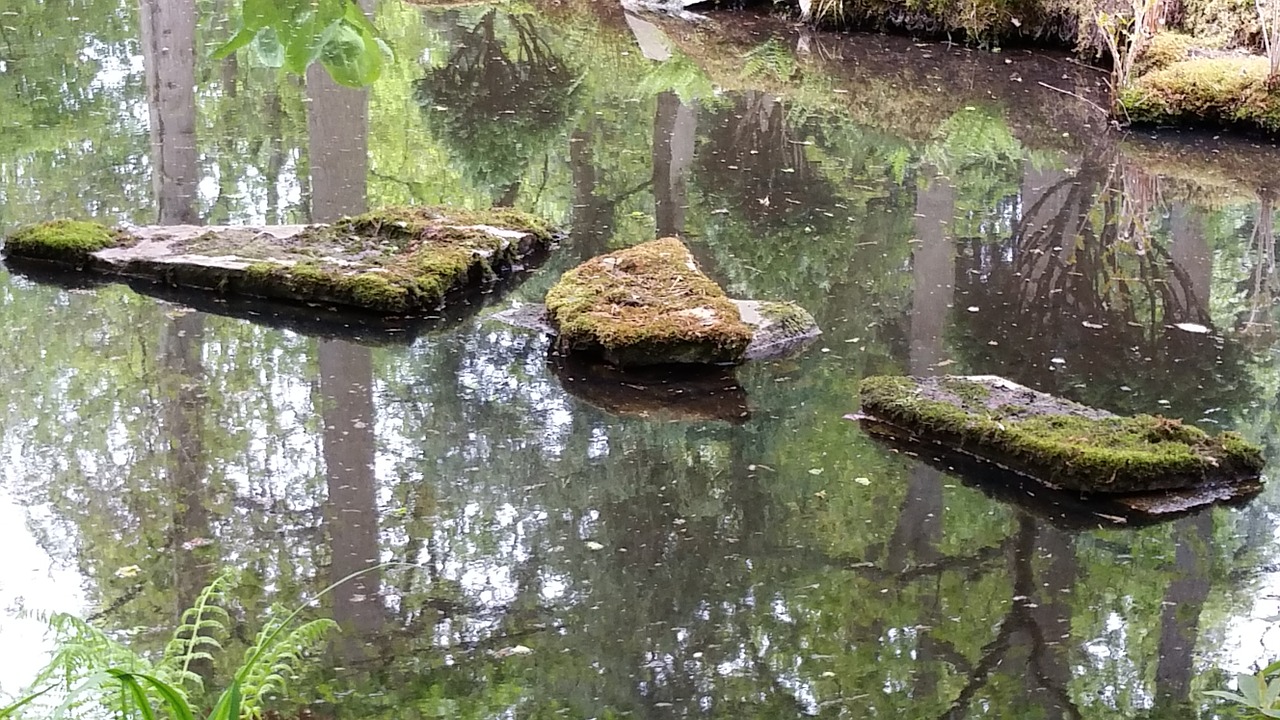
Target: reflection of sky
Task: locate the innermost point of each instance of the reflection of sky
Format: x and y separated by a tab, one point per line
32	584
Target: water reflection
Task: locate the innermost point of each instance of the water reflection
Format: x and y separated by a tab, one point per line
571	558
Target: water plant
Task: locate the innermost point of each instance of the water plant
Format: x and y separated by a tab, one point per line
92	672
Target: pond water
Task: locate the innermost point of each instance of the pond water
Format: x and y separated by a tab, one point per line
574	548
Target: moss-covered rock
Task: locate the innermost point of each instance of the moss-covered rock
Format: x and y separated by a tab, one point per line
1224	91
647	305
1060	443
394	261
70	241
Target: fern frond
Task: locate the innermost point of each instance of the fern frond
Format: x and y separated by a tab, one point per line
83	651
769	58
278	659
196	630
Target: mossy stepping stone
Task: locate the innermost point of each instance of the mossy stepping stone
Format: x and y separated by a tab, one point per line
392	261
1055	441
651	305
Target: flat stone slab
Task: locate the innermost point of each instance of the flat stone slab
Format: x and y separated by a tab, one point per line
398	261
1059	443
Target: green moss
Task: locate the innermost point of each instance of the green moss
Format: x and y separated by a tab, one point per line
70	241
1225	91
1079	449
1163	50
967	391
790	316
647	305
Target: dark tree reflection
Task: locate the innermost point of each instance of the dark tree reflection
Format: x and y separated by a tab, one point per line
498	101
1088	294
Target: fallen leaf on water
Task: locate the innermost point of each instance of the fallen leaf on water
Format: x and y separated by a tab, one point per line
815	471
862	480
593	545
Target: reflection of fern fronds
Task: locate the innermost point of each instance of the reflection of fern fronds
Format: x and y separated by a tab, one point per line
770	58
680	75
278	657
197	630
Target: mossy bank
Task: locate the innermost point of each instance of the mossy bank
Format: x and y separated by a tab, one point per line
393	261
1061	443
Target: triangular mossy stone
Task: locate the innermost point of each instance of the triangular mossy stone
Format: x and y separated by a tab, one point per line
647	305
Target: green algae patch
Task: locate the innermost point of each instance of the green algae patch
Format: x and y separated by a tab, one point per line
1219	91
1061	443
393	261
647	305
70	241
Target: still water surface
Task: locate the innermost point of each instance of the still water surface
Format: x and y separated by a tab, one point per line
747	554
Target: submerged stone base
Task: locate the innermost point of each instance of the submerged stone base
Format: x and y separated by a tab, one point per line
1057	442
394	261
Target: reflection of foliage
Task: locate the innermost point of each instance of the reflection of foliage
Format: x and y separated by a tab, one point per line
983	160
496	112
680	75
292	34
1089	293
770	58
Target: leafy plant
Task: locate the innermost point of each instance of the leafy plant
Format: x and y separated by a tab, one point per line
91	669
295	33
1126	35
1259	692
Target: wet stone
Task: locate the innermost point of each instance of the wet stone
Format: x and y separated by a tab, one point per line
1061	443
391	261
651	305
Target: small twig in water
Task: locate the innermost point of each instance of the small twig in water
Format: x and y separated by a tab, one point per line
1078	97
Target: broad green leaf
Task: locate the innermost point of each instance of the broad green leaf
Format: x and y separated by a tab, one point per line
243	37
267	48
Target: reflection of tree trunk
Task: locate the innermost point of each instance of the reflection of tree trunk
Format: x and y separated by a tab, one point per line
675	126
592	219
347	411
184	400
919	527
1184	599
1191	255
1029	639
337	130
933	273
168	52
